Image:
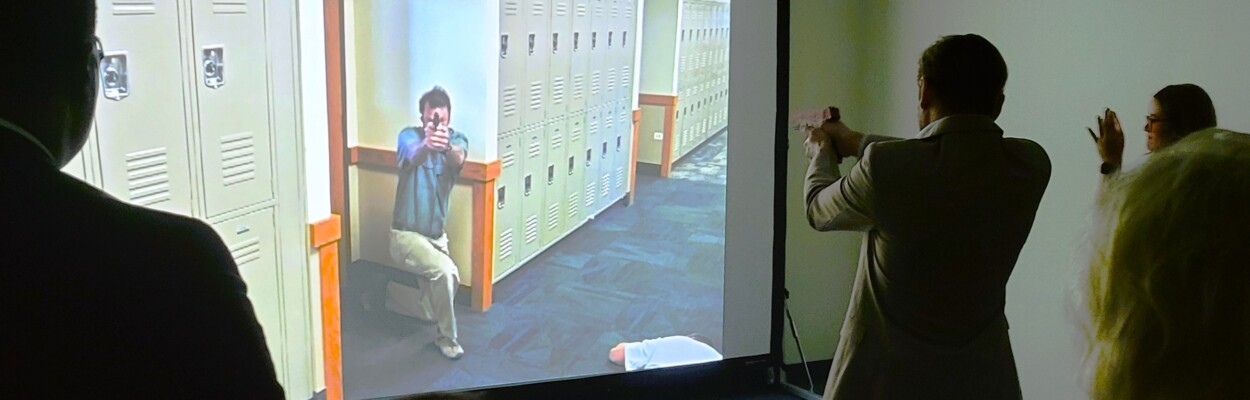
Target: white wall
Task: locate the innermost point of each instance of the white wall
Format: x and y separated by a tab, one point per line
1067	60
313	119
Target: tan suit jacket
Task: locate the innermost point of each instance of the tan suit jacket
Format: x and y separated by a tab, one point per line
945	214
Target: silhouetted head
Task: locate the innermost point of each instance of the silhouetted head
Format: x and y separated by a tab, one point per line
1177	111
961	74
49	75
1168	300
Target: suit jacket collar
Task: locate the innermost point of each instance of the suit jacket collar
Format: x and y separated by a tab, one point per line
960	123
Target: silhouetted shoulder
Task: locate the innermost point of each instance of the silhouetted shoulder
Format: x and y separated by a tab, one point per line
1030	152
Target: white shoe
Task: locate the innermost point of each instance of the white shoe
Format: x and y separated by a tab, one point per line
452	351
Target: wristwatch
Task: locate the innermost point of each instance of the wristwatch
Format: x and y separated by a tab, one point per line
1108	168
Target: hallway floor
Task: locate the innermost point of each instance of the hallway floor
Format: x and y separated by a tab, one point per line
652	269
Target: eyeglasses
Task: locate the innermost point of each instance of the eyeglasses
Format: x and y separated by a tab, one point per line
97	50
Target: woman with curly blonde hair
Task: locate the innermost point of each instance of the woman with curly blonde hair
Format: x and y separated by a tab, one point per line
1169	294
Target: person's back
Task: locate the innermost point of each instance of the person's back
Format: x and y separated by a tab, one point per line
103	298
946	215
953	212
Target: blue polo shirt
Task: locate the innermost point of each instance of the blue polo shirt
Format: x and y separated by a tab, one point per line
421	199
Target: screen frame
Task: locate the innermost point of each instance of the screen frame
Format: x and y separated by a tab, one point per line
728	376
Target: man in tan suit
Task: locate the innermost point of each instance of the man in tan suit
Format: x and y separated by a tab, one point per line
946	214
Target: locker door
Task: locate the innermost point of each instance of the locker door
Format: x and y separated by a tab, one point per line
507	203
538	53
77	167
252	240
607	157
625	54
554	177
575	169
611	52
512	57
140	119
580	63
598	41
233	100
533	169
590	159
561	56
623	146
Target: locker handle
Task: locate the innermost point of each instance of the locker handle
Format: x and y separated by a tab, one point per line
241	229
551	174
594	40
555	42
572	162
610	38
529	184
531	44
503	46
214	62
577	36
501	197
618	143
589	153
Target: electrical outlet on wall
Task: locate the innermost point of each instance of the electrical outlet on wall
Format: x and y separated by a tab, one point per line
658	135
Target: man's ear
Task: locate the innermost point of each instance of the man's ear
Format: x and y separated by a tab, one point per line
998	105
926	98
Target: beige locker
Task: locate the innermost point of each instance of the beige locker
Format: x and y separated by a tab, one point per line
252	240
512	58
561	57
537	55
140	119
232	96
580	62
597	64
77	167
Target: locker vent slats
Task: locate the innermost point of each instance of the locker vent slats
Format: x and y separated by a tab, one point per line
134	7
607	185
625	76
147	175
553	216
509	101
579	86
536	95
511	7
557	90
594	83
508	160
620	177
538	8
562	8
505	244
238	158
246	251
230	7
574	209
531	229
590	193
611	79
581	9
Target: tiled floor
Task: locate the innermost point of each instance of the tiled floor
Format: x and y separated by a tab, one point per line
652	269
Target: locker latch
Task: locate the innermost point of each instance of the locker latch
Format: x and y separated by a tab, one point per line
241	229
551	174
529	187
610	38
589	154
501	197
605	149
531	44
555	42
214	63
618	144
114	76
503	46
577	36
572	162
623	38
594	40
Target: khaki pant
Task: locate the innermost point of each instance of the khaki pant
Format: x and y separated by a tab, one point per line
437	278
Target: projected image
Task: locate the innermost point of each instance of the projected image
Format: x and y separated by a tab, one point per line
536	189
